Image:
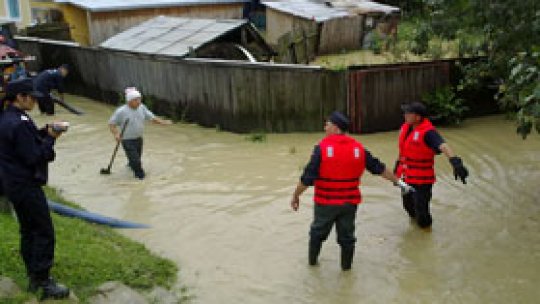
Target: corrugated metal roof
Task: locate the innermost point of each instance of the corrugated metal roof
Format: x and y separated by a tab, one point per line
375	7
172	36
117	5
309	10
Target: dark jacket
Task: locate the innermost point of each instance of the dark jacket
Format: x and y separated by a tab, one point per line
25	151
49	80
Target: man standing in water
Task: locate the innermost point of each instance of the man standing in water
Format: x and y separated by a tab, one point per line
46	81
132	140
25	153
335	168
419	142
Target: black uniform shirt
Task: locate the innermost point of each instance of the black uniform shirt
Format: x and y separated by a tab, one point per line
25	151
49	80
311	171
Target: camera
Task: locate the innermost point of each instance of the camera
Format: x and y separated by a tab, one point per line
59	127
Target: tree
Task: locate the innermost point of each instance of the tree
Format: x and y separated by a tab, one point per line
511	30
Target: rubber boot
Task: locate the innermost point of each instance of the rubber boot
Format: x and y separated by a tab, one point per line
49	288
347	255
314	250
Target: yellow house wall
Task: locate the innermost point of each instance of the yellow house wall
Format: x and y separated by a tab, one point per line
75	17
24	6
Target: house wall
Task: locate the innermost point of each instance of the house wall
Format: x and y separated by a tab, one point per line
24	7
74	16
107	24
279	24
341	34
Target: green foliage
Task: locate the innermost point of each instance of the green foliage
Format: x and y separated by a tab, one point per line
435	49
86	256
521	91
445	106
421	36
377	43
507	29
256	137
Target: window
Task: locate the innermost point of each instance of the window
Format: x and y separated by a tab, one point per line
13	9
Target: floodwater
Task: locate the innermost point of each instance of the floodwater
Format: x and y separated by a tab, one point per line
218	205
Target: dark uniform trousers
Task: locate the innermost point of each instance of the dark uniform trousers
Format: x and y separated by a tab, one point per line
417	204
325	217
36	227
133	149
46	104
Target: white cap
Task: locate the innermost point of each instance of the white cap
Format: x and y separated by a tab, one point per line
132	93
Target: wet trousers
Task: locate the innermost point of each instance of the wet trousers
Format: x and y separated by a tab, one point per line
133	149
46	104
36	228
417	204
324	218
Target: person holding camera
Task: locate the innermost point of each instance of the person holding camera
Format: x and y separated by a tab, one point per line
419	143
25	152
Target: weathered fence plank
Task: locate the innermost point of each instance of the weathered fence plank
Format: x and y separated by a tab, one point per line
244	97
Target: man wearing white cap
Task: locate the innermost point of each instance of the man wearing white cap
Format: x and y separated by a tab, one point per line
132	141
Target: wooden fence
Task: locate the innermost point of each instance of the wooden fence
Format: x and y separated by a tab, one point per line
244	97
234	96
375	93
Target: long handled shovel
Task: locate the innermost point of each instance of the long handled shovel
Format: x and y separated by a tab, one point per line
68	107
108	169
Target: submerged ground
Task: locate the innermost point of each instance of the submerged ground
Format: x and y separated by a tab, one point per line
218	205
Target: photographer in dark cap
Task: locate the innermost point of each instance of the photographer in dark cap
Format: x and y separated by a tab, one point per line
335	169
25	153
45	82
419	142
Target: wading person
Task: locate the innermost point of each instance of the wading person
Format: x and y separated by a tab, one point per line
25	153
45	82
335	168
419	142
135	113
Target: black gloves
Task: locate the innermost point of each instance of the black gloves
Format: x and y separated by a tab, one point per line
459	170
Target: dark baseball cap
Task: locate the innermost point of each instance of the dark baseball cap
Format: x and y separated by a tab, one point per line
415	107
340	120
22	86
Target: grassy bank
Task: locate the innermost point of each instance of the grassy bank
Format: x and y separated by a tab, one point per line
87	255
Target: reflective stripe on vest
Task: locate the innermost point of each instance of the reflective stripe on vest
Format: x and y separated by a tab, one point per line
342	165
416	159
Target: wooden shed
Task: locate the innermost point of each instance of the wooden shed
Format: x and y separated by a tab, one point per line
338	26
94	21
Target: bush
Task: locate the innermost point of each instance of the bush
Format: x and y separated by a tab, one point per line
377	43
421	37
445	106
521	91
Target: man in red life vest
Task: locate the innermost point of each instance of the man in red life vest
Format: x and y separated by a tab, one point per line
419	142
335	168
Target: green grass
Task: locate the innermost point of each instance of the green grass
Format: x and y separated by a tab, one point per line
86	256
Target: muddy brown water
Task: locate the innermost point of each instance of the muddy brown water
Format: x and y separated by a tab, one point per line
218	205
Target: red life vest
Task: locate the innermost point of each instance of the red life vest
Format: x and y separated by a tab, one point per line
342	164
416	159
